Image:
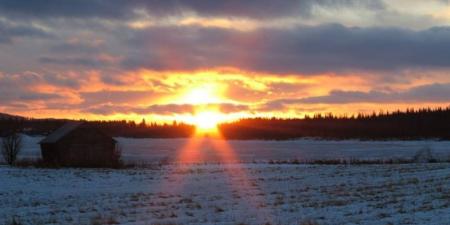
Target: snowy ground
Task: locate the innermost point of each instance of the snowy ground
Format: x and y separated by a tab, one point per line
229	194
149	150
208	192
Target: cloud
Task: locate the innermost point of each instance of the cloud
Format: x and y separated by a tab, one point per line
104	97
262	9
164	109
85	50
10	31
68	9
169	109
33	96
98	61
120	9
430	93
15	89
84	61
73	81
413	14
77	47
304	49
167	46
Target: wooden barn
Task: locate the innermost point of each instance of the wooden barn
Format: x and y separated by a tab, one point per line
78	144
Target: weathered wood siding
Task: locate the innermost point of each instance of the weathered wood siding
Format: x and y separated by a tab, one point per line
82	147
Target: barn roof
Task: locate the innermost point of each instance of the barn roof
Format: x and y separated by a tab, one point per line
61	132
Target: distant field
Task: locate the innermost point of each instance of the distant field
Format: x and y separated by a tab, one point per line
150	150
229	194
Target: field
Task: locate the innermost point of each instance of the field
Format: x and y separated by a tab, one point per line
207	150
219	182
229	194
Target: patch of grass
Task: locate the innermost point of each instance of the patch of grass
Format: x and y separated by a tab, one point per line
14	221
218	209
354	161
30	163
168	223
308	222
100	220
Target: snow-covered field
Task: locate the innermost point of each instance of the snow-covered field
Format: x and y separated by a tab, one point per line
208	150
229	194
207	182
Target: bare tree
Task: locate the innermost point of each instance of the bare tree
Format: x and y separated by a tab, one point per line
10	147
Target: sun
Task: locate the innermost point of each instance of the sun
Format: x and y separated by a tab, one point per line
204	94
207	121
205	100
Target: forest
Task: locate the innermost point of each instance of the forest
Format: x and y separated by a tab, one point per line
410	124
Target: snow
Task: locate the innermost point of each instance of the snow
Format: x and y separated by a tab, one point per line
150	150
230	182
229	194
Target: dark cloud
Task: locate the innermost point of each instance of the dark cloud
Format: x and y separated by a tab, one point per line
113	79
429	93
105	97
66	9
20	88
76	47
425	93
306	49
64	80
120	9
301	49
263	9
83	61
20	106
166	109
10	31
343	97
230	108
280	88
437	93
108	109
34	96
24	95
170	109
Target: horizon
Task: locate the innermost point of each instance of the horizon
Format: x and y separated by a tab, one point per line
213	62
322	114
414	124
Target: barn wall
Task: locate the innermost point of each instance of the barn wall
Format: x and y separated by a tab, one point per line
85	147
49	152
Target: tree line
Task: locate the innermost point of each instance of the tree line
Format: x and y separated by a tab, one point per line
116	128
410	124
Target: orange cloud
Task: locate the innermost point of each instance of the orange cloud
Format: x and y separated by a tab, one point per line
178	95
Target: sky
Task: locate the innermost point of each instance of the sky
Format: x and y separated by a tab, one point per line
178	60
